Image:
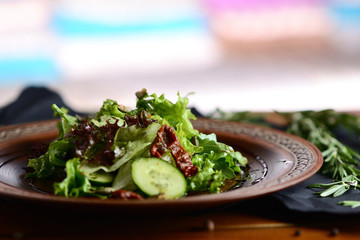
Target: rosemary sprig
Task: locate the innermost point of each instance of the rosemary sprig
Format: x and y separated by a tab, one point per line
338	188
352	204
340	161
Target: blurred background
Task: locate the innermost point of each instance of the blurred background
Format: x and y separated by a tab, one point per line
258	55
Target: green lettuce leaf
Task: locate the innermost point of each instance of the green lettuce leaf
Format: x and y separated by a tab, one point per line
105	119
51	163
75	184
172	113
130	142
216	162
58	150
207	178
123	179
185	142
210	145
110	108
67	121
42	166
239	158
225	164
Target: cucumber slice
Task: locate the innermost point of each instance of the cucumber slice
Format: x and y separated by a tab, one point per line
100	177
155	176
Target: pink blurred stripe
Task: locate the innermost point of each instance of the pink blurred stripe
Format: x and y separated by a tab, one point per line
257	4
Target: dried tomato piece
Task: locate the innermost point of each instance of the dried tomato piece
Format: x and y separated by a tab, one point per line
167	139
126	195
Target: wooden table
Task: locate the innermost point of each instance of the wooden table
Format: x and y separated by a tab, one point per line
262	218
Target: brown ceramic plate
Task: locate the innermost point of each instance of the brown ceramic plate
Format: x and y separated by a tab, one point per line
277	161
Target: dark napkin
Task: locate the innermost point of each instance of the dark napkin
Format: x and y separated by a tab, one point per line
34	104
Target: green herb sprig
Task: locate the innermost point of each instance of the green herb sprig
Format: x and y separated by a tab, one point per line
352	204
340	161
337	188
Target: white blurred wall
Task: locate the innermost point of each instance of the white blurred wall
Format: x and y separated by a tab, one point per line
259	55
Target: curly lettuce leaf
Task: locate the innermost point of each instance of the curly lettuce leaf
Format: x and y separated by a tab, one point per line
207	178
109	113
172	113
209	144
75	184
216	163
189	147
105	119
67	121
42	166
58	150
54	159
110	108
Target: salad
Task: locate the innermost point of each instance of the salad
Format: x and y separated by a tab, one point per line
152	151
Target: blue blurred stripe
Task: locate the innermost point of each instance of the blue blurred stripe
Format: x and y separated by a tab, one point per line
346	13
70	25
25	69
